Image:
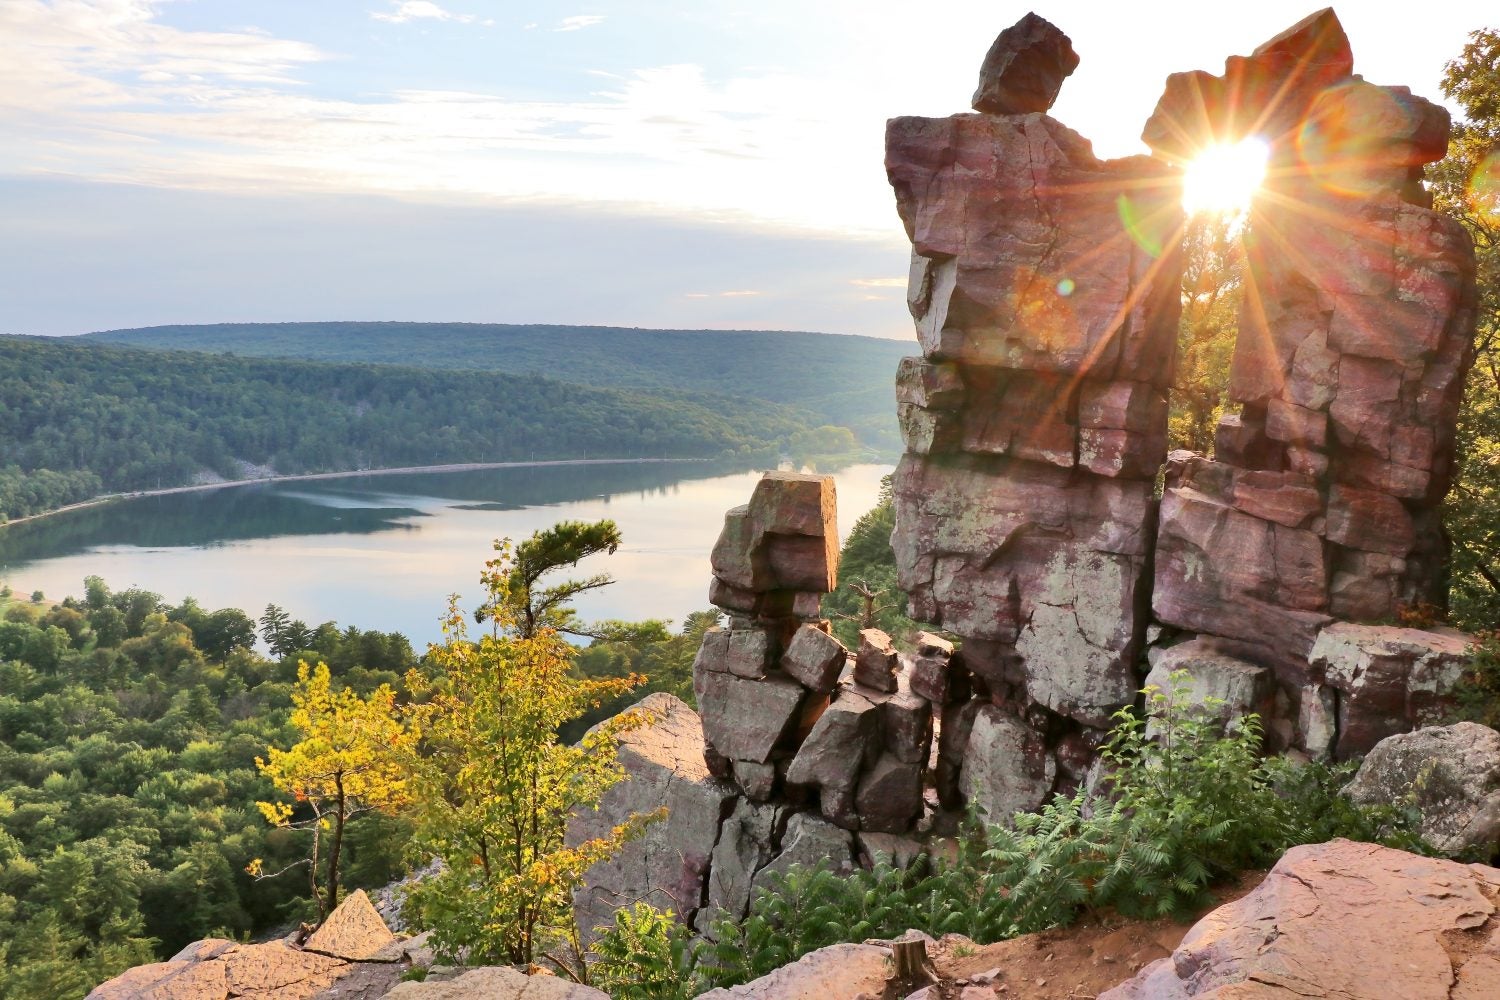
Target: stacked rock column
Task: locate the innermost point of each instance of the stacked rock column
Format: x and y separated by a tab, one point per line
1323	499
1045	289
821	744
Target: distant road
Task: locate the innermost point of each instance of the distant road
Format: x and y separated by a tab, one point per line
305	477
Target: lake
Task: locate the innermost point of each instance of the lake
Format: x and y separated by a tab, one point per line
384	551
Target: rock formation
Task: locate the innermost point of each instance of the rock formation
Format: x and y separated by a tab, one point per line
1449	774
1044	285
1345	920
1322	501
1045	290
351	956
668	866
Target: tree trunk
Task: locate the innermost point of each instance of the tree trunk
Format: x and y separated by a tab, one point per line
333	852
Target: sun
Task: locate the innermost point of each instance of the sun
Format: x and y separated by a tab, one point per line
1223	178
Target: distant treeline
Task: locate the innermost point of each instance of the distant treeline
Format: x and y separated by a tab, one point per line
78	417
841	380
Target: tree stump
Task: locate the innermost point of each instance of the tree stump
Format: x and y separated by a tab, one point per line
911	969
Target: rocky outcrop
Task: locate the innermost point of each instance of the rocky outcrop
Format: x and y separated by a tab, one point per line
795	729
1449	774
497	983
668	866
352	956
1044	285
1322	501
1045	291
842	970
1346	920
353	932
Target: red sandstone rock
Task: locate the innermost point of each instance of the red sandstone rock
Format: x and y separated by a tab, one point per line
1025	68
1347	920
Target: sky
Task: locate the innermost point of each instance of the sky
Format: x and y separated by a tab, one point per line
655	163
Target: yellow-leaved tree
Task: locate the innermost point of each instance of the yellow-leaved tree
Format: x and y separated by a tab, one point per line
491	787
348	761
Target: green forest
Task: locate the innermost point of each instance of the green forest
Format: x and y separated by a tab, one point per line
129	736
841	380
129	731
78	418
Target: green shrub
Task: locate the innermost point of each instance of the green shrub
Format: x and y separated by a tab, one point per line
646	955
1478	693
1191	803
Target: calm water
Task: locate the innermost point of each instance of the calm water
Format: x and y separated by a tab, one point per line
383	552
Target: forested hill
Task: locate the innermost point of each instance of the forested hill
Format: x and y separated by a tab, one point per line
842	380
80	417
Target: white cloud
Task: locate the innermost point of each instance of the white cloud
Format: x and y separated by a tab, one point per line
578	22
107	91
420	10
878	282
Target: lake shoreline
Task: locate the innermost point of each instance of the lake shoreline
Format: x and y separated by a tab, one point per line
404	470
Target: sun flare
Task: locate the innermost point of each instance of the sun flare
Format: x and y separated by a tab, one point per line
1223	178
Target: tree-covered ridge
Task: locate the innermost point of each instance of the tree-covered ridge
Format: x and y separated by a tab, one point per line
78	417
843	380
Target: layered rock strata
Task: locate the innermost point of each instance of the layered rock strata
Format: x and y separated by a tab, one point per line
789	714
1323	499
1044	286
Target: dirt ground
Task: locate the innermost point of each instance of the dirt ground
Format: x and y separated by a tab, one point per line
1075	963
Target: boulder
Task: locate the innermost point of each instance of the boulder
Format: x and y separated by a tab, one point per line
746	845
758	781
497	983
809	841
1346	920
353	931
906	722
174	980
1242	687
876	662
784	539
744	652
1451	774
814	659
1007	767
1390	679
889	797
842	970
744	719
845	736
1025	68
1224	572
668	865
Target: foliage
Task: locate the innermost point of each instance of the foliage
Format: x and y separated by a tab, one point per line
492	787
129	730
843	381
1187	801
344	765
512	578
664	662
77	417
868	595
1478	692
1213	262
1466	185
646	955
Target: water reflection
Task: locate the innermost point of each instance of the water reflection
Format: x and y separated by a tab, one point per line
383	551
